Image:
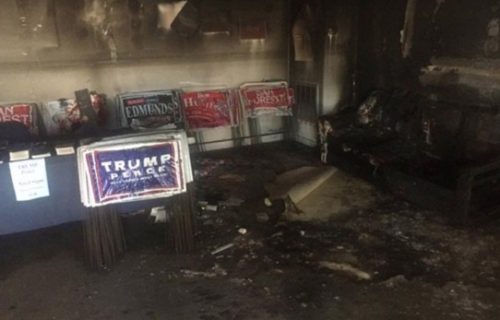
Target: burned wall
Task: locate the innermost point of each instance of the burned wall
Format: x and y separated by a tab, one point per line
339	55
140	56
379	45
446	50
328	64
331	26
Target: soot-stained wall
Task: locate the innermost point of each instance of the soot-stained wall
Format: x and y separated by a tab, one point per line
331	26
72	57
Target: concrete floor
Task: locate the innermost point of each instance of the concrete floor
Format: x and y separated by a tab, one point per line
420	267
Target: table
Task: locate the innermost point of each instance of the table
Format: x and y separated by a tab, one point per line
62	206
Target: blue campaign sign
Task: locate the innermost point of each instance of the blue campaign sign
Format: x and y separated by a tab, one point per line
151	109
133	173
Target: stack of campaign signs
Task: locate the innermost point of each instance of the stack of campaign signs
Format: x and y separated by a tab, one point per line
136	167
211	108
199	109
65	117
24	113
60	118
151	109
267	98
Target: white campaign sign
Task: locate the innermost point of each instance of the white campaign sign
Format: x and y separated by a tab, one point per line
29	179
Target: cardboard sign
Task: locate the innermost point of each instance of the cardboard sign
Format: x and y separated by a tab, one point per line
151	109
209	109
260	99
134	172
29	179
24	113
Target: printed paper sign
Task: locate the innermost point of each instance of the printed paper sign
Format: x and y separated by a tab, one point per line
29	179
131	172
23	113
208	109
260	99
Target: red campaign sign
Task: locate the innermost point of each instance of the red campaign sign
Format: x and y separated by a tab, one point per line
207	109
261	99
22	113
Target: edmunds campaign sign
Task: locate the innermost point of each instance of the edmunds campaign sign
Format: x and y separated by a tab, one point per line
151	109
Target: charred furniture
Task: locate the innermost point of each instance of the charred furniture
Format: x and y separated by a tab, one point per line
424	150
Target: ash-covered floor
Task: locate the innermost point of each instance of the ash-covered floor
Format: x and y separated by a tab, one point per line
418	266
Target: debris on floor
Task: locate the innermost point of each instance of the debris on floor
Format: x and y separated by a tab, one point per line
299	183
215	272
379	252
319	193
346	268
222	249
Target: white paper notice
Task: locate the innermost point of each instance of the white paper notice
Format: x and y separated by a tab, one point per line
29	179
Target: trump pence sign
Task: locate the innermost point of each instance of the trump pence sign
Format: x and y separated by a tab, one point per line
134	172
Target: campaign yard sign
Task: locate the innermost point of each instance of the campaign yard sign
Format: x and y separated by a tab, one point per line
267	99
151	109
25	113
134	172
210	109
